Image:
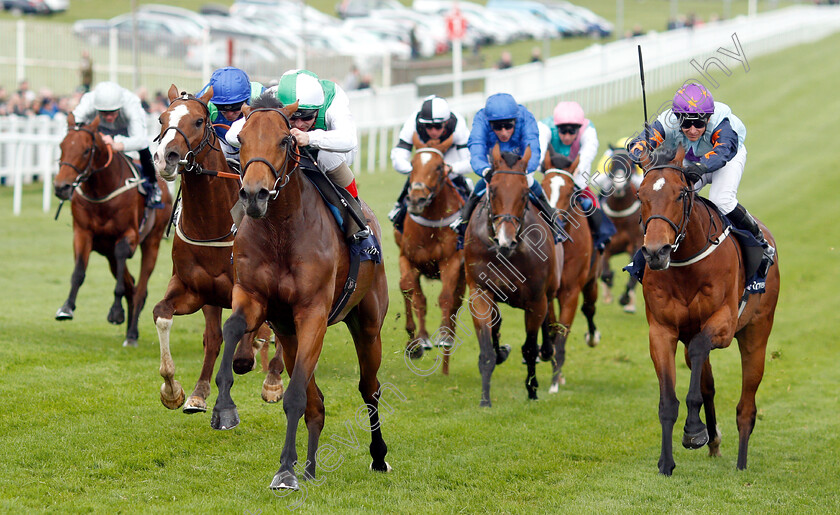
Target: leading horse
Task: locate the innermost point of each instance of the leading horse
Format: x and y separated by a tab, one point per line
692	284
429	247
202	271
108	217
292	264
511	257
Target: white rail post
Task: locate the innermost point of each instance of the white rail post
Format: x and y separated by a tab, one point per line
20	50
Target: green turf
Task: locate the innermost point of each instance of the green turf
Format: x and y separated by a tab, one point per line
84	431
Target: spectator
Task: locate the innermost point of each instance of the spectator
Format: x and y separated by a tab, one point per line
86	72
365	83
536	55
505	61
46	103
143	94
413	42
25	93
352	79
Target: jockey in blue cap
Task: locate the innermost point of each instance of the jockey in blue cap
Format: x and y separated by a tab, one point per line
231	89
510	125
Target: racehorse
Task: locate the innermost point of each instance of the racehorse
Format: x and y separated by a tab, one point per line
510	257
622	207
202	272
108	217
580	261
429	247
692	284
292	265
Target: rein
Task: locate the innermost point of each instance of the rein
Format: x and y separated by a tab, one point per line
687	197
290	144
433	192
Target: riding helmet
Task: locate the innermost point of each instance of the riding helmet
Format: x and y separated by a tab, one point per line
693	98
568	113
434	110
107	96
230	86
501	106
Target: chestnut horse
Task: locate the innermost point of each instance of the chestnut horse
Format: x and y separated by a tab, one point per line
580	261
429	247
202	272
510	257
693	283
292	265
622	207
108	214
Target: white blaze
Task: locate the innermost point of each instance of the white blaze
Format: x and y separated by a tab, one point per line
175	116
556	183
658	184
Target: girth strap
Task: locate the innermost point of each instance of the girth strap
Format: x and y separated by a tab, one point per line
349	288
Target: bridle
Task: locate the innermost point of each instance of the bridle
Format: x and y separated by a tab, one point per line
290	144
492	219
441	178
85	173
188	163
687	197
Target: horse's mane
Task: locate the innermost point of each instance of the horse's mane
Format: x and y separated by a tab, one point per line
266	100
663	156
510	158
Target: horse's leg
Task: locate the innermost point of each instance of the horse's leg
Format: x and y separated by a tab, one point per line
82	246
149	254
606	277
272	388
314	419
590	297
451	295
628	299
248	313
409	283
752	341
244	359
482	308
707	388
695	434
663	347
212	343
568	300
122	251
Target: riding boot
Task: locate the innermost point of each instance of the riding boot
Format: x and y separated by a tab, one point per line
400	209
147	168
353	230
742	219
461	184
549	213
460	225
596	219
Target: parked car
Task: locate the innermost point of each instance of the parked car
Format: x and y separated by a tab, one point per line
161	35
36	6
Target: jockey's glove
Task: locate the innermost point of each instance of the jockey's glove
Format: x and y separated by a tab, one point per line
694	172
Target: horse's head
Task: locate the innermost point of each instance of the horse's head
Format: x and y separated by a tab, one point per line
428	173
558	182
507	193
185	130
666	198
82	153
620	168
268	152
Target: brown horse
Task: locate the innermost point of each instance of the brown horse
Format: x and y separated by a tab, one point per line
108	217
511	257
292	265
693	282
429	247
622	207
202	272
580	261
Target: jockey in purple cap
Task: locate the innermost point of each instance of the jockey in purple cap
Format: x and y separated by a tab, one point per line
715	153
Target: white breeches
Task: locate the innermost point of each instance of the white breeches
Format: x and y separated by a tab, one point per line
724	190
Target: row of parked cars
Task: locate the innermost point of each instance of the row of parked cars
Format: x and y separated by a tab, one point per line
265	31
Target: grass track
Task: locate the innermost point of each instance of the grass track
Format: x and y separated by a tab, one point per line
84	430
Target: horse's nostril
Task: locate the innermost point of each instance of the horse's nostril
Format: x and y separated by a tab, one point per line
242	195
262	194
173	157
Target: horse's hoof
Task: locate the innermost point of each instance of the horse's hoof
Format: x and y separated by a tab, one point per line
426	344
630	309
224	419
272	393
624	299
243	366
195	405
502	354
172	400
415	351
64	314
546	353
714	446
532	396
385	467
537	360
284	481
593	339
116	316
130	342
555	386
485	403
696	440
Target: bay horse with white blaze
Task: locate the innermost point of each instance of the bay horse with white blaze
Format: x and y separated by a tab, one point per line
428	246
108	215
292	264
580	261
511	257
202	272
693	283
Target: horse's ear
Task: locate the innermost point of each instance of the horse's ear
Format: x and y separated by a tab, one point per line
415	140
678	158
523	163
291	108
173	93
547	158
445	144
246	110
71	120
574	164
497	156
207	95
95	123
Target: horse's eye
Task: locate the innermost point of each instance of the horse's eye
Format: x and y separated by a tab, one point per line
160	120
199	122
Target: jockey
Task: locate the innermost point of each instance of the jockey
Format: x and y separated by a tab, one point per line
433	121
715	156
231	89
570	133
605	180
123	127
324	129
502	121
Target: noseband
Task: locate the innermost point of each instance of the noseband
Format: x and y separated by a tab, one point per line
507	217
289	143
189	163
441	176
687	197
88	170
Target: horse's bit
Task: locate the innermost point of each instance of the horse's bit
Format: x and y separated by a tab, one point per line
290	144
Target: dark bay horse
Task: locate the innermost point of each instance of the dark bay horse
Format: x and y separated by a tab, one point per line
693	283
291	264
429	247
510	257
108	214
580	261
202	272
622	206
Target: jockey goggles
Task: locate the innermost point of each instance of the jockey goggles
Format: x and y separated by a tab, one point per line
433	125
305	114
230	107
498	125
568	128
688	121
